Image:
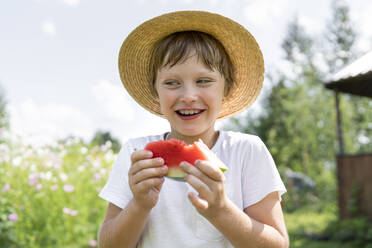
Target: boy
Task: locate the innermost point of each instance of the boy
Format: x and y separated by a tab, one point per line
192	68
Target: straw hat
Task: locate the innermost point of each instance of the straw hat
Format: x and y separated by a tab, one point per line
240	45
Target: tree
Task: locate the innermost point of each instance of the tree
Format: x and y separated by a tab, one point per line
102	137
299	51
340	37
298	123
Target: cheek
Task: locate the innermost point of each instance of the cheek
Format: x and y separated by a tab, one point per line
214	99
165	100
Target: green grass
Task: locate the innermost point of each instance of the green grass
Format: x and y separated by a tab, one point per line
305	224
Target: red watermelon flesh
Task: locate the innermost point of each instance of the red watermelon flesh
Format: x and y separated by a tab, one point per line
175	151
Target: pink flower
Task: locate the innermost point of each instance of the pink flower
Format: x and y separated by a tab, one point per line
92	243
33	179
73	212
70	211
97	176
54	187
13	217
38	187
66	210
68	188
6	187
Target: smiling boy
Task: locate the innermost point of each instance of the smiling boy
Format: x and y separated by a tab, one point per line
192	68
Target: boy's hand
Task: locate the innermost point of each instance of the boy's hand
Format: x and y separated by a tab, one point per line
146	177
209	182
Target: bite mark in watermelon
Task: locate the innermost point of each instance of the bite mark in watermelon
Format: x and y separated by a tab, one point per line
175	151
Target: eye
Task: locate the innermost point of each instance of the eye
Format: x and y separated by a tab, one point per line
171	83
204	81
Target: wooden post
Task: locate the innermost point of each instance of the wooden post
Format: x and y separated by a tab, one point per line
339	125
339	171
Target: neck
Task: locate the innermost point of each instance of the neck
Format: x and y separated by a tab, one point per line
209	138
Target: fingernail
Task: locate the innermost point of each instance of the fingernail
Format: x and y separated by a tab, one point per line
149	153
182	164
160	160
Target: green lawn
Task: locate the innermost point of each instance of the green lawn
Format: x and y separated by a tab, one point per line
306	222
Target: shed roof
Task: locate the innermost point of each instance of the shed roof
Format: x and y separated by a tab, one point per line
355	78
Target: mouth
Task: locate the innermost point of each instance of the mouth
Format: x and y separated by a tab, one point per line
188	114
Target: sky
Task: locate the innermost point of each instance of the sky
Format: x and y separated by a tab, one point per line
58	58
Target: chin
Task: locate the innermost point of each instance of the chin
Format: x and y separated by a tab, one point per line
190	132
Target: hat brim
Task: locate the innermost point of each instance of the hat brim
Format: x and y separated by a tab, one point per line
240	45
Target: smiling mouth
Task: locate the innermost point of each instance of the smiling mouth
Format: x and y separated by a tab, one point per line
189	112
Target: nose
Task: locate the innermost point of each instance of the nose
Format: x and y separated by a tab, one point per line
189	94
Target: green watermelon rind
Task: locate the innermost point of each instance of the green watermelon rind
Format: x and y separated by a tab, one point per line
176	173
211	156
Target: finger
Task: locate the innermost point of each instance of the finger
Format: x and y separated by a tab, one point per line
208	169
197	202
193	170
144	164
140	155
201	187
149	173
146	185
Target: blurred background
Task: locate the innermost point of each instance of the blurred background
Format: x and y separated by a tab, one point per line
64	113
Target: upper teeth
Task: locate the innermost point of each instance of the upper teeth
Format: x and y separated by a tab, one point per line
189	112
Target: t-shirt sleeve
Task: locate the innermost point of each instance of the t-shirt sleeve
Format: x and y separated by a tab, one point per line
116	189
259	174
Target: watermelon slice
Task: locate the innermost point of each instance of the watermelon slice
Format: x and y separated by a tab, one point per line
175	151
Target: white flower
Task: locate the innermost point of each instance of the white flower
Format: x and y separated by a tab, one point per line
109	156
84	150
47	176
16	161
63	176
33	167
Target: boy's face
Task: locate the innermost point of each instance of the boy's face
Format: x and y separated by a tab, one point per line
190	96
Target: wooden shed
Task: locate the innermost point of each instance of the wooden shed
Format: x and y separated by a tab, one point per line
354	171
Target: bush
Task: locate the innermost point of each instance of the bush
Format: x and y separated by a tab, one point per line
7	218
305	191
51	194
357	230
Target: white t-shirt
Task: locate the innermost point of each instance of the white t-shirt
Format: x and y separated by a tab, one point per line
174	222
